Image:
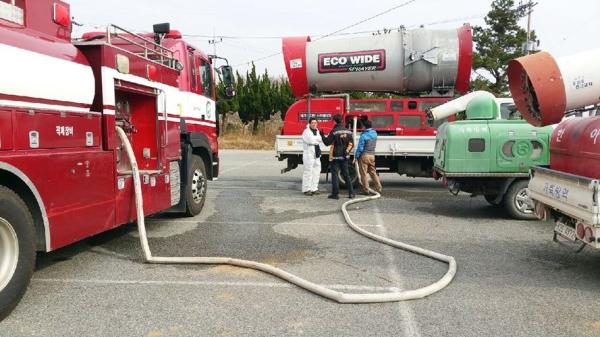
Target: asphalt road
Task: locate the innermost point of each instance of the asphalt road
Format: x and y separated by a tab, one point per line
512	279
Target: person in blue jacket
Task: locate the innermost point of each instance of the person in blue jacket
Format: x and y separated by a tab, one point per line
365	155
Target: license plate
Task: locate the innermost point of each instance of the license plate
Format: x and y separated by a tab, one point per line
565	231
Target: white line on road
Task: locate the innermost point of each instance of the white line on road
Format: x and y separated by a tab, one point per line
252	223
205	283
410	325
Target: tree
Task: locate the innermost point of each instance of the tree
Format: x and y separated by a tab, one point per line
501	41
225	104
267	97
257	98
283	96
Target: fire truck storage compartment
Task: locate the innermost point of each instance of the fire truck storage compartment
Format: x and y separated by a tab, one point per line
137	114
6	130
56	130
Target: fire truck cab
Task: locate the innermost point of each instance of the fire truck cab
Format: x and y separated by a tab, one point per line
63	173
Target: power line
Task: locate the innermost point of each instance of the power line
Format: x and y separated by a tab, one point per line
369	18
273	37
258	59
247	47
341	29
478	16
235	37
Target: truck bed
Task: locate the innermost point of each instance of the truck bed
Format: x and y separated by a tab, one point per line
573	195
413	146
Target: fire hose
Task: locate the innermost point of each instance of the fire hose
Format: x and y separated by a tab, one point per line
337	296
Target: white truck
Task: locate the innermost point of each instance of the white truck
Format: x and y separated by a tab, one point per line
571	200
568	191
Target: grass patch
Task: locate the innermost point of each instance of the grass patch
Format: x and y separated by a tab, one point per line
238	141
237	135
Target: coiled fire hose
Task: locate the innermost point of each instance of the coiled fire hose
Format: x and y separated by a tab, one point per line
337	296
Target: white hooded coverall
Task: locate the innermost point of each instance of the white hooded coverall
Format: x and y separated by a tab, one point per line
312	165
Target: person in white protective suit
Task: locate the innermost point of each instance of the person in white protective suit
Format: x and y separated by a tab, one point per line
311	158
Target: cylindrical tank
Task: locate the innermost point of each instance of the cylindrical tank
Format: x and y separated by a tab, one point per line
45	73
544	87
575	147
419	60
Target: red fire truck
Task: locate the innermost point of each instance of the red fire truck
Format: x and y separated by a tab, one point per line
63	174
430	65
405	139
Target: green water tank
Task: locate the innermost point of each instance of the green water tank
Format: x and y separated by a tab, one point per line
491	146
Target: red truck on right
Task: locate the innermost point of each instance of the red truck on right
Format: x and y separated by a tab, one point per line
544	89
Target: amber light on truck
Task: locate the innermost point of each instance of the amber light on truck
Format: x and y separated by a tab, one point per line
62	15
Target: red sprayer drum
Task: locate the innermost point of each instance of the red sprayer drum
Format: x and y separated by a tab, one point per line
404	61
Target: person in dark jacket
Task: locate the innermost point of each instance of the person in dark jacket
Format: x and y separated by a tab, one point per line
365	156
341	144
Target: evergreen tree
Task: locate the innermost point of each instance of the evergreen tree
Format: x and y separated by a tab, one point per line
283	96
499	42
267	96
257	98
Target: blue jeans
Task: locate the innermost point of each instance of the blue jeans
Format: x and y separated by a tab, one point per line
336	166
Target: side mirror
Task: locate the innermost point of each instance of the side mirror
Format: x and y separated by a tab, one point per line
178	65
161	28
229	92
429	120
227	74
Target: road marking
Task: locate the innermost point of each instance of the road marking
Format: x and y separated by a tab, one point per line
411	327
249	223
206	283
238	167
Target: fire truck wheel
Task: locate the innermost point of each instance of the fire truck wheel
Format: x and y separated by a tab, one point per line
516	201
17	250
196	189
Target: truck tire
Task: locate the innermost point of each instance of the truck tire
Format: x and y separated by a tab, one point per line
492	199
515	201
17	250
195	193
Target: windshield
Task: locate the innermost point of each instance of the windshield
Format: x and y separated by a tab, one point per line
206	78
368	106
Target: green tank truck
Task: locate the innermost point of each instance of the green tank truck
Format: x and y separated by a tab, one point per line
483	155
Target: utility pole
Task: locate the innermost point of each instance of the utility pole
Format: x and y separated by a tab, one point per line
214	42
529	6
528	26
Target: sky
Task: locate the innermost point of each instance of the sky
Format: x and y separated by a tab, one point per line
251	30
